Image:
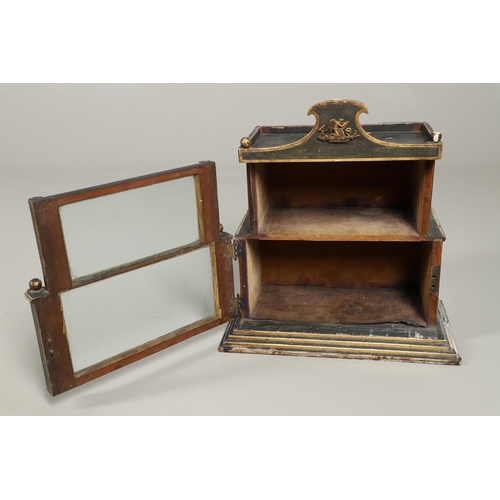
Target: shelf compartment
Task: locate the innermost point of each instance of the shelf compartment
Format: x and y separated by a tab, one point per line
340	282
388	199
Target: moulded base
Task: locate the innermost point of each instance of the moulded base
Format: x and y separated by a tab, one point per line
392	342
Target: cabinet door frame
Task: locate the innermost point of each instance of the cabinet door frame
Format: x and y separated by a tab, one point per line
45	297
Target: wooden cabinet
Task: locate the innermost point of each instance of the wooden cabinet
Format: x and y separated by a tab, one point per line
340	251
339	254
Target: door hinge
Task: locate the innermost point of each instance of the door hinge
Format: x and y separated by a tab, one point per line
232	250
435	270
234	303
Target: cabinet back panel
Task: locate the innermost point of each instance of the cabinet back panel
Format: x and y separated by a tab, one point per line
342	264
341	184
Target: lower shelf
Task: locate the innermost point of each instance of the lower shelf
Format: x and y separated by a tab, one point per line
321	304
376	342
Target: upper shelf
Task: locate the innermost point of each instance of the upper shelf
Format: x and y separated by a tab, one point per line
339	224
338	136
317	224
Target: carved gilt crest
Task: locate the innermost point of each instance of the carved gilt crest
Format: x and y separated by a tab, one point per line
337	131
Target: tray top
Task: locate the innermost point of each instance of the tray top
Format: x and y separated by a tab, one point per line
338	136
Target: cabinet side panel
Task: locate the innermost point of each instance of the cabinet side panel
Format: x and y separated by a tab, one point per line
258	194
429	281
423	195
425	276
252	273
435	272
252	197
416	193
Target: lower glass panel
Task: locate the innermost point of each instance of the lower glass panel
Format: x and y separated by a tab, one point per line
112	316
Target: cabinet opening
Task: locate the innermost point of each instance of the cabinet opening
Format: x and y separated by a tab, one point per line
379	200
339	282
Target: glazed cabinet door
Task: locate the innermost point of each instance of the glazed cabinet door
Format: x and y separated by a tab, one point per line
129	268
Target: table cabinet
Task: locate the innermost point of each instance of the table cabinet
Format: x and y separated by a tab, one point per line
339	254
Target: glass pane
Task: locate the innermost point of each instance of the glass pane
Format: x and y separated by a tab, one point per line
111	316
119	228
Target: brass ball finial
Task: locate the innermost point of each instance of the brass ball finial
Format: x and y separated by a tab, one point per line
436	137
245	142
35	284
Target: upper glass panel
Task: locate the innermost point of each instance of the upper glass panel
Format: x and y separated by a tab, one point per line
119	228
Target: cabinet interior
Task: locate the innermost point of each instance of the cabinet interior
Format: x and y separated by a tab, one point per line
338	281
359	200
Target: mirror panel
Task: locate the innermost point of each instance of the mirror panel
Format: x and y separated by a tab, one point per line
135	224
112	316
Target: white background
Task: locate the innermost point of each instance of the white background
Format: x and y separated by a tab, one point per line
52	144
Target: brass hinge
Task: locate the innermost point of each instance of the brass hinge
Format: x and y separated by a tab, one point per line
232	250
234	303
435	270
